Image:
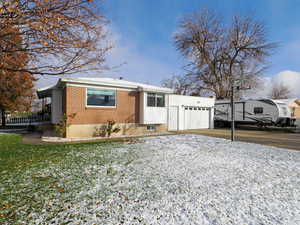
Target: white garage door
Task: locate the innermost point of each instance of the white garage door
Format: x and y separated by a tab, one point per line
196	117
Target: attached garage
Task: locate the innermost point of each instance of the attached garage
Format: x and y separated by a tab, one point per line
189	112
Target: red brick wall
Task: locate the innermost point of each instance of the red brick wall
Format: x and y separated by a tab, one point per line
126	111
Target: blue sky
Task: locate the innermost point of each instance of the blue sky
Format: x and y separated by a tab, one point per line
145	29
142	31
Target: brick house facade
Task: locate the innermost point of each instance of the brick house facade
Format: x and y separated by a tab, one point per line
69	98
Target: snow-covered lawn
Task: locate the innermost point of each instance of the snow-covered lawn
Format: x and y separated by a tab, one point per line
180	179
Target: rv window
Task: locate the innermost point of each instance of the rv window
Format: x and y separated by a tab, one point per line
258	110
97	97
155	100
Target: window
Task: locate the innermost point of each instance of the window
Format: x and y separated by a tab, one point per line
258	110
151	100
155	100
151	127
97	97
160	100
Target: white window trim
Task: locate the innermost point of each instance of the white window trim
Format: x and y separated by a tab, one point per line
99	106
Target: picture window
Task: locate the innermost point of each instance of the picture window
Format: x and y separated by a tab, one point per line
98	97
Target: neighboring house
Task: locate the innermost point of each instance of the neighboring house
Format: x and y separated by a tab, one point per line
294	105
89	103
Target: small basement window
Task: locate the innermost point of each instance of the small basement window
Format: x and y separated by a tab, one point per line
155	100
151	127
98	97
258	110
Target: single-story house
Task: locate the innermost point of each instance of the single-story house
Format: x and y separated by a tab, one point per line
294	105
89	103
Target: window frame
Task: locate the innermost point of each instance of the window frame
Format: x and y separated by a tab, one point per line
155	99
147	96
100	106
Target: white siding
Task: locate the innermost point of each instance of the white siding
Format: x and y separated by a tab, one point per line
193	119
152	115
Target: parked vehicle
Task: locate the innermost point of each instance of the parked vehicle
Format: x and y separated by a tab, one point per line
261	112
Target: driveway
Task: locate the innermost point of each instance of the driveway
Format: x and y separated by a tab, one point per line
170	180
279	139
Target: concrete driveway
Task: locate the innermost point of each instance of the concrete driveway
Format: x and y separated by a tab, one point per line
279	139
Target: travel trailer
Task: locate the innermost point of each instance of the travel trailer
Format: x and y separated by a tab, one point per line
261	112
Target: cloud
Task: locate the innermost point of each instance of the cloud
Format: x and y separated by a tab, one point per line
291	79
261	91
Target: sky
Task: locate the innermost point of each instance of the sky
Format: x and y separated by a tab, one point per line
142	32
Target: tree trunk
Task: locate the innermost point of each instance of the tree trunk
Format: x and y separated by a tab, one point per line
3	117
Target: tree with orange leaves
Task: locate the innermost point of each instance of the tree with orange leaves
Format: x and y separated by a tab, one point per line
46	37
59	36
16	88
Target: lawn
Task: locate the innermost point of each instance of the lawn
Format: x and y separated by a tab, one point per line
35	178
179	179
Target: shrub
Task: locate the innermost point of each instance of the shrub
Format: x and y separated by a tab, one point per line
107	129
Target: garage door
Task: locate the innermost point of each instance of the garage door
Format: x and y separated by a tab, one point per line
196	117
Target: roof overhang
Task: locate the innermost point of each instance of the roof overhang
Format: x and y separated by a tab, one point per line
114	85
156	90
297	101
91	82
45	92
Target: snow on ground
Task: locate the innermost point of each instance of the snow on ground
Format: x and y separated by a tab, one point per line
179	179
297	122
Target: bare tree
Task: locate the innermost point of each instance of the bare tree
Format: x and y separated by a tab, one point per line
280	91
180	84
58	36
218	54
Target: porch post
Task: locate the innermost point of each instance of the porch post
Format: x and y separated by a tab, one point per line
3	117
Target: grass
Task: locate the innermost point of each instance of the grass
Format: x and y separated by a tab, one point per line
36	177
16	155
12	127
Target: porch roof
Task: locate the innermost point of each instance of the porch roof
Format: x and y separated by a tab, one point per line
45	92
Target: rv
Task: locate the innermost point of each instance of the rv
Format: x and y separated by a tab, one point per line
261	112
